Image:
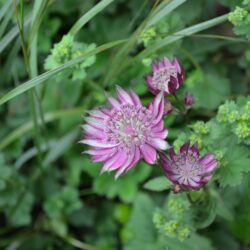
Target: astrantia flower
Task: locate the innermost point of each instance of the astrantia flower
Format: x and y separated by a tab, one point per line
187	170
119	137
167	76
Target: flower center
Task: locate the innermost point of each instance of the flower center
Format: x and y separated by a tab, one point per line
162	78
187	168
129	125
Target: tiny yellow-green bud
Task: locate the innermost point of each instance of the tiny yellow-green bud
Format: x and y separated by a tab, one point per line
242	130
171	227
147	61
247	107
183	233
196	139
233	116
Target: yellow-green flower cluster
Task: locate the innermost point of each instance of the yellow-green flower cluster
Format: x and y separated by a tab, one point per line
240	18
242	130
67	49
62	51
179	142
200	129
147	36
173	223
237	16
237	116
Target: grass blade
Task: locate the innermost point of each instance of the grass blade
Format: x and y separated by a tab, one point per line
183	33
164	11
156	13
37	15
5	8
27	127
11	35
41	78
89	15
5	23
65	142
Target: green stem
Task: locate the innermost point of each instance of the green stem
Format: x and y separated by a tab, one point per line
37	136
192	202
31	95
78	244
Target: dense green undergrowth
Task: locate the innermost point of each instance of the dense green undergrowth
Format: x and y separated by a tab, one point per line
60	59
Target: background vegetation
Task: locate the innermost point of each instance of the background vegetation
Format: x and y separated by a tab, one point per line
58	59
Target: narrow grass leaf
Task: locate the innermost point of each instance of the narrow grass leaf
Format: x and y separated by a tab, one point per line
27	127
5	9
89	15
183	33
7	39
61	146
41	78
164	11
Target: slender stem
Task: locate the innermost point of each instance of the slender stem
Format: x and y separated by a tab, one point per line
192	202
36	125
30	94
78	244
20	25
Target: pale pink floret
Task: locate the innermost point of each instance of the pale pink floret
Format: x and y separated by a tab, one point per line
167	76
187	169
127	132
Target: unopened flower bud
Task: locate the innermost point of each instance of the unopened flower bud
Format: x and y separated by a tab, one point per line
168	108
188	100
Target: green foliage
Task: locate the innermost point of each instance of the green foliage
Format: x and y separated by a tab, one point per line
236	117
125	188
176	220
140	233
238	162
54	197
15	200
209	89
60	205
158	184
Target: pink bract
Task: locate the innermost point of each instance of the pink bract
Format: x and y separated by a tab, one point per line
167	76
187	169
122	135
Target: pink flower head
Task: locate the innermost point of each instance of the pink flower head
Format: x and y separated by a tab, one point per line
187	170
167	76
122	135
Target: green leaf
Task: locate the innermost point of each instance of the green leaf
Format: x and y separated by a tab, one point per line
125	187
238	162
21	214
160	183
64	143
209	89
139	232
195	242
